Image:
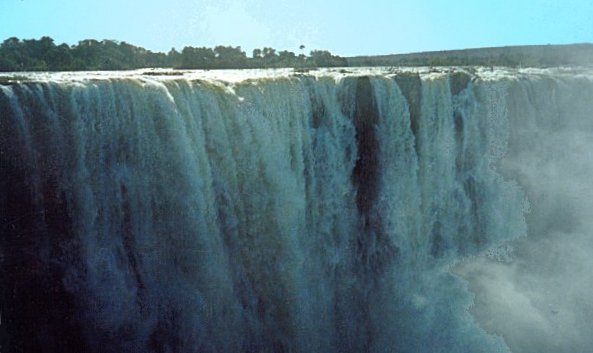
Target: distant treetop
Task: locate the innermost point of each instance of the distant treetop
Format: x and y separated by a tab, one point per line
89	54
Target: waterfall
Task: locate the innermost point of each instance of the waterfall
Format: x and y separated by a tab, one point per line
331	212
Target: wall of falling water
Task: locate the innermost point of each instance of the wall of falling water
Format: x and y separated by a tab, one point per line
281	214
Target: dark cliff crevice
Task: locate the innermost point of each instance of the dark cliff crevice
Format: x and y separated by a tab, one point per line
376	252
458	81
410	85
364	175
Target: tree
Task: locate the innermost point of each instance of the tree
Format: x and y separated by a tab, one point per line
11	43
60	58
229	57
197	58
324	58
11	58
174	57
287	59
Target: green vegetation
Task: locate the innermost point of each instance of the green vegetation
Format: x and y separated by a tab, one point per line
89	54
515	56
44	55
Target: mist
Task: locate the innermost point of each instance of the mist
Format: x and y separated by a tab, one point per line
538	296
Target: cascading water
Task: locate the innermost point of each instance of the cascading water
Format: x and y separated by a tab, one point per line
329	212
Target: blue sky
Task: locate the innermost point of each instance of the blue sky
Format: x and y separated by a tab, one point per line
344	27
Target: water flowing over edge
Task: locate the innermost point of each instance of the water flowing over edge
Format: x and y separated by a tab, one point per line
306	213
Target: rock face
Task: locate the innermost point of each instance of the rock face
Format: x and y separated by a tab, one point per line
318	213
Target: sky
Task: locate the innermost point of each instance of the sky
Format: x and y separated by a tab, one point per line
344	27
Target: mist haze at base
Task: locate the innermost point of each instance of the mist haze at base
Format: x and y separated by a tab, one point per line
372	211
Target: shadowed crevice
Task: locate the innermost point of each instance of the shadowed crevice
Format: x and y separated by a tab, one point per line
410	85
458	81
365	171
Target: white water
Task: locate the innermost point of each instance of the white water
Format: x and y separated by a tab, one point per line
208	214
541	301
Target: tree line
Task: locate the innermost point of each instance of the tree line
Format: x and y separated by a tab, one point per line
45	55
511	56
